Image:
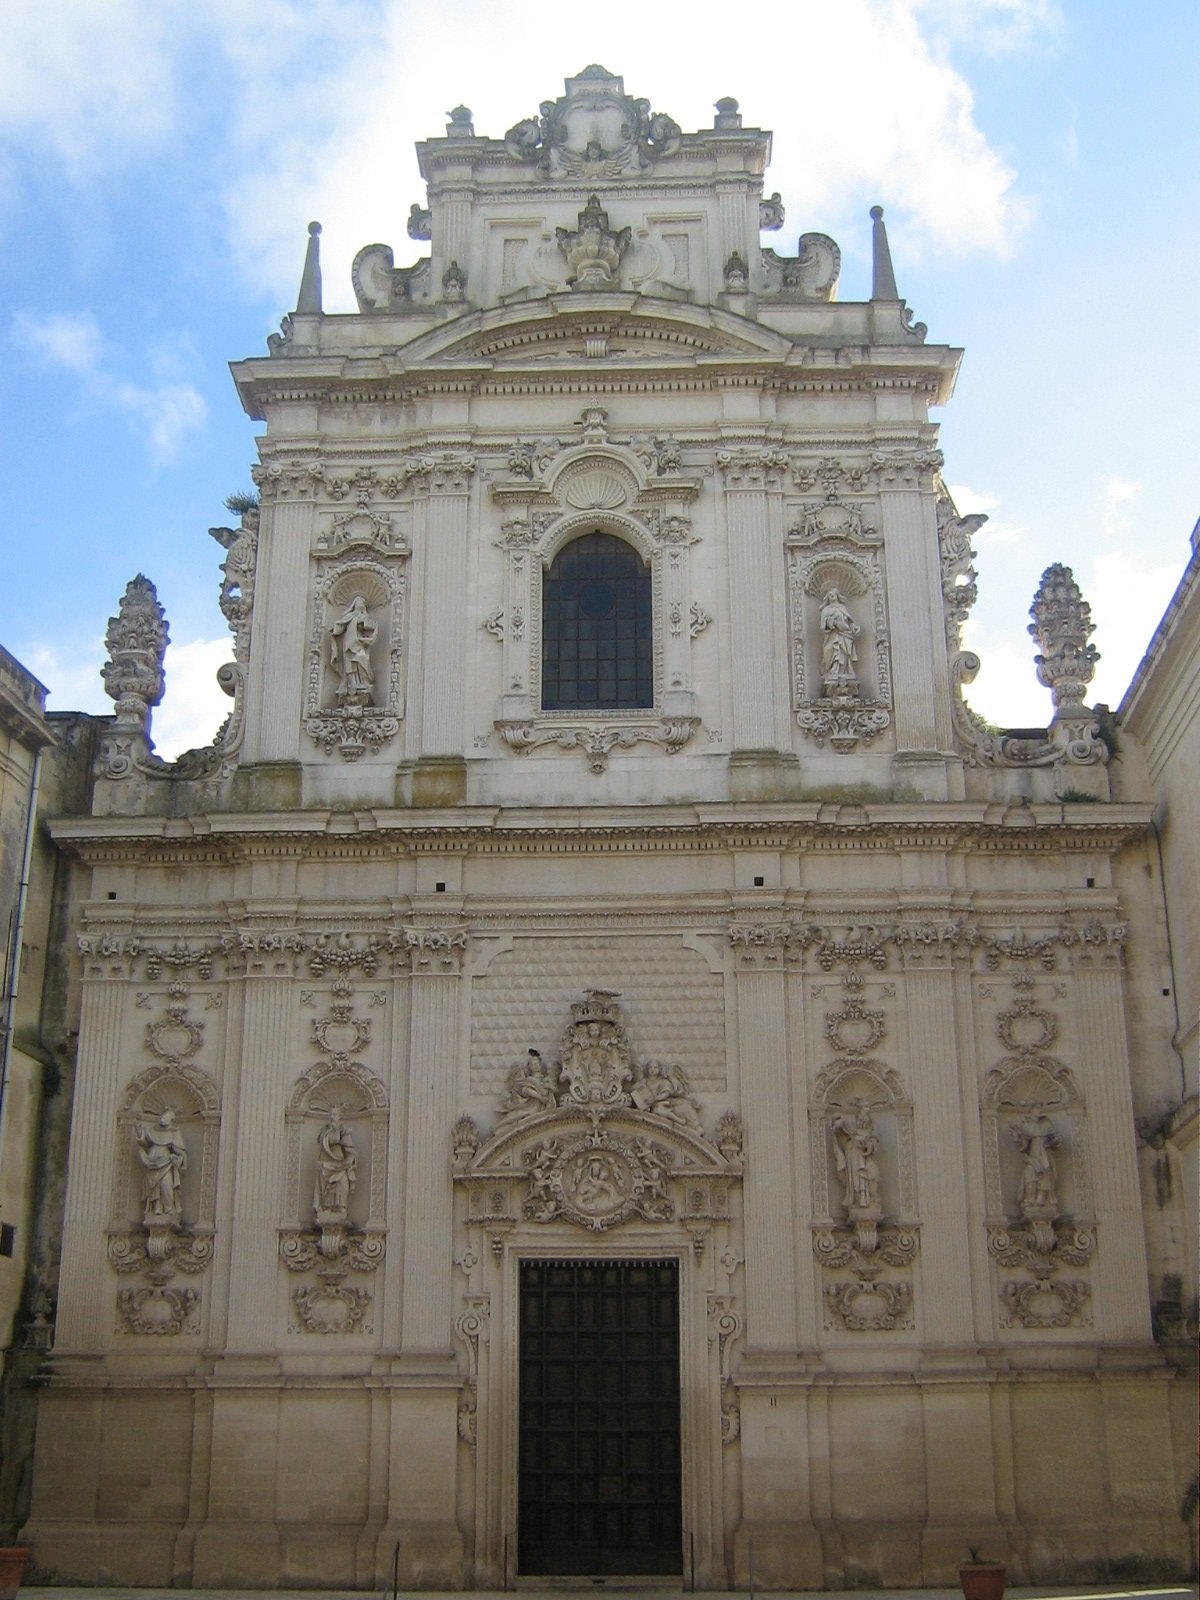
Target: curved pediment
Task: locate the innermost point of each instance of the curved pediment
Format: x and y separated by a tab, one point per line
596	1168
617	327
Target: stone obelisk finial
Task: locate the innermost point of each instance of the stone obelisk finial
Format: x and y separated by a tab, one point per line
883	279
308	301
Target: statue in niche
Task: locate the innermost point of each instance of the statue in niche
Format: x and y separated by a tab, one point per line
839	654
337	1169
1037	1139
663	1092
350	641
530	1090
163	1156
856	1145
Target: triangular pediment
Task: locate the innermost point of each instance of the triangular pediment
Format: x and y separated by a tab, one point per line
618	328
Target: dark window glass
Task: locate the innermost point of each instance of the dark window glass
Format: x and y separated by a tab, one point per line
597	652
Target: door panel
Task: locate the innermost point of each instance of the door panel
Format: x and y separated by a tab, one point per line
599	1480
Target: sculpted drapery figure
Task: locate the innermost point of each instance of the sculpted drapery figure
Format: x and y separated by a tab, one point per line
350	641
856	1145
1036	1137
663	1092
839	631
163	1156
337	1169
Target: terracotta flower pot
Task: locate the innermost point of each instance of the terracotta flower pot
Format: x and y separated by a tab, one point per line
12	1565
982	1580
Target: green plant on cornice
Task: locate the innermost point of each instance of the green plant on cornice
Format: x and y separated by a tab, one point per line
1077	797
241	501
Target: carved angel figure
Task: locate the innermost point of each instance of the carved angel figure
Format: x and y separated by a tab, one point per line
839	630
337	1168
163	1156
350	641
1036	1137
856	1145
530	1090
663	1092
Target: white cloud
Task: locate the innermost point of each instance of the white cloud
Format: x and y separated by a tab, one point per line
193	706
994	27
1007	692
1128	599
165	413
1118	493
83	82
996	530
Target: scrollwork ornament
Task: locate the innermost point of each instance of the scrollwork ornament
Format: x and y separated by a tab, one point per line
868	1305
330	1308
1043	1302
157	1310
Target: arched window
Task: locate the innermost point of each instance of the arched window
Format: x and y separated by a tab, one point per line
597	650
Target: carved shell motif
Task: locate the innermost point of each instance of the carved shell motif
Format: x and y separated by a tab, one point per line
595	491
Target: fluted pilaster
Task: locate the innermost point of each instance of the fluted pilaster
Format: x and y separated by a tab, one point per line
1120	1262
87	1291
768	1185
280	632
259	1163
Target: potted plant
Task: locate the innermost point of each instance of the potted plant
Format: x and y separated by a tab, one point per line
12	1565
981	1579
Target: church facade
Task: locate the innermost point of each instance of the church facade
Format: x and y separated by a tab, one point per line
606	1066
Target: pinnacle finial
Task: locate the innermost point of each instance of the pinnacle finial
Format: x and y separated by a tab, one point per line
883	279
308	301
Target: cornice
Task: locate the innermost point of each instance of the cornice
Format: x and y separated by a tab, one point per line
814	828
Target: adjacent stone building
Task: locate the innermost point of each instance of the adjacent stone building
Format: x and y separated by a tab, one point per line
606	1066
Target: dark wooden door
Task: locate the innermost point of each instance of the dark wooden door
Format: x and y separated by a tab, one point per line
599	1488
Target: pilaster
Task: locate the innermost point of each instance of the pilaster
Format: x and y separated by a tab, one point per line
1120	1268
86	1291
769	1182
281	613
935	1085
753	482
259	1156
433	1054
920	674
443	648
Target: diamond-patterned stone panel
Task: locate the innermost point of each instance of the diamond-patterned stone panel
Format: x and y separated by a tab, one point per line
672	1006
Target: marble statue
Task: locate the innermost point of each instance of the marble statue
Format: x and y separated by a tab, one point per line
1035	1136
857	1144
350	641
337	1168
838	631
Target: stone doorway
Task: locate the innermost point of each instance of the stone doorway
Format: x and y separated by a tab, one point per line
599	1434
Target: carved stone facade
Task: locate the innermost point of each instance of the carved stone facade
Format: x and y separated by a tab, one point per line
779	974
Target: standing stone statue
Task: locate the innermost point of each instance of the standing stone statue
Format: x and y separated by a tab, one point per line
838	652
350	641
337	1170
1036	1137
857	1144
163	1156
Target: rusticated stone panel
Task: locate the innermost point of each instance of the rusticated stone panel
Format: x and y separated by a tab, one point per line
667	994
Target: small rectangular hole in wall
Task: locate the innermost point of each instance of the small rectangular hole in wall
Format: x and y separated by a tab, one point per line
112	894
1166	994
1091	882
440	888
8	1238
758	882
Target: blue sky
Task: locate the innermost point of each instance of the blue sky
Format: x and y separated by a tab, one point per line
159	163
